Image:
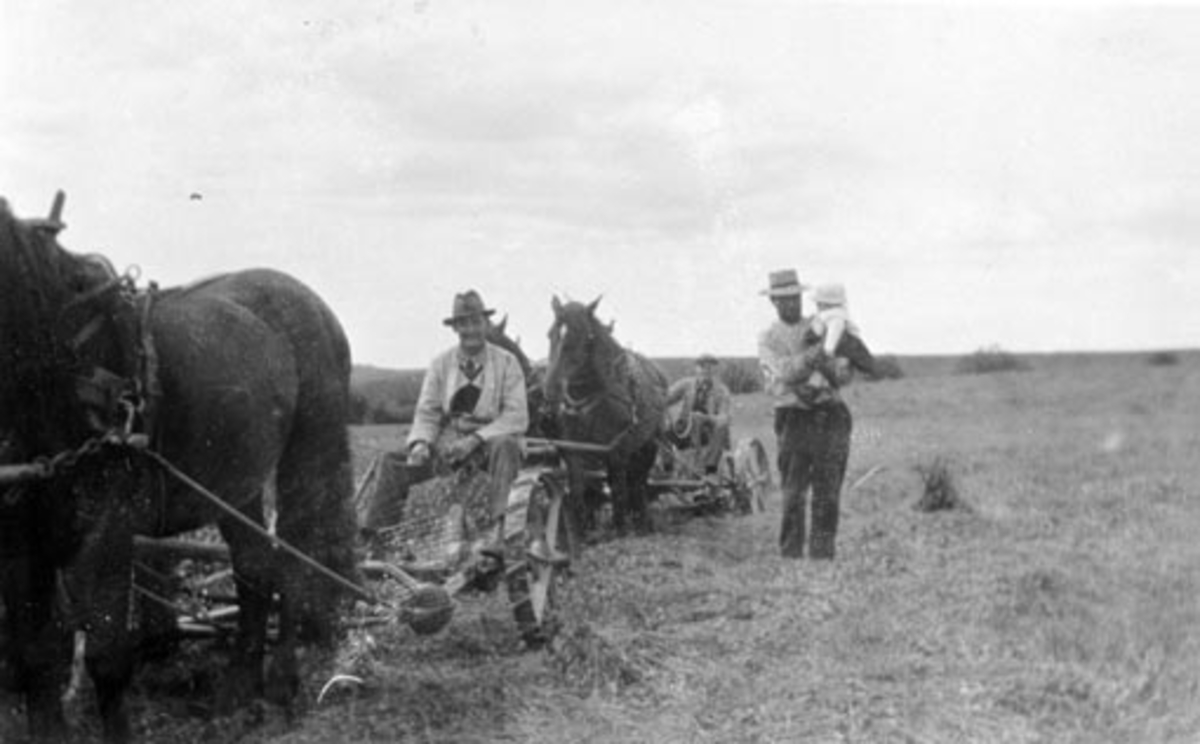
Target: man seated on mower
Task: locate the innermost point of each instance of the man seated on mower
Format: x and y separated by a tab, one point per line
472	409
699	412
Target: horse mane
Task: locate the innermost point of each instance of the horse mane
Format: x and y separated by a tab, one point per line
608	349
40	284
497	334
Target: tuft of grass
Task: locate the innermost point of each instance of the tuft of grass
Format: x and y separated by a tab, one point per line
1163	359
940	487
989	360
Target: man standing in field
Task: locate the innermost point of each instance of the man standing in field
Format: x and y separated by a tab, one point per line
472	404
812	423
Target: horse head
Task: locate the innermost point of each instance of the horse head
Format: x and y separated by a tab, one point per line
577	340
59	318
41	284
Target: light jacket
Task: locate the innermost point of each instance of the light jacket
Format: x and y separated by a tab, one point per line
501	408
788	356
719	399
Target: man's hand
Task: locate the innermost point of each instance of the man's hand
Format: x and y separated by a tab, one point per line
843	371
835	369
462	448
418	454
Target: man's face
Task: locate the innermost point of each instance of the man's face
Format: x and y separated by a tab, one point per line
471	330
788	308
706	371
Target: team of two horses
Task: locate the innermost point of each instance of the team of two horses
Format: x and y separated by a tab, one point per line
241	382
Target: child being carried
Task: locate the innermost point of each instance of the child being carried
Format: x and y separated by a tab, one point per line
838	334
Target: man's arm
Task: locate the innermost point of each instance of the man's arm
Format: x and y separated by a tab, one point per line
780	367
427	416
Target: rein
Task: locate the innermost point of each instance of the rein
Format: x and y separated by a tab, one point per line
275	540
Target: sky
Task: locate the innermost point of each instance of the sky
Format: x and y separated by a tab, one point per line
1024	175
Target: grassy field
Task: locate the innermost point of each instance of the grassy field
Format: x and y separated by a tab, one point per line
1061	603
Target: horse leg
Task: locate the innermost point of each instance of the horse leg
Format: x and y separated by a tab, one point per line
636	475
252	558
618	485
314	487
282	679
314	499
38	645
99	582
110	655
575	503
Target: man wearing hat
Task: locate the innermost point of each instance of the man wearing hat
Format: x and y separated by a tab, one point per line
812	424
472	404
698	408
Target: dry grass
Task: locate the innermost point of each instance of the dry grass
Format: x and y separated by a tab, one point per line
1061	607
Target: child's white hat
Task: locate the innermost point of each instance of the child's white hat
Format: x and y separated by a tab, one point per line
830	294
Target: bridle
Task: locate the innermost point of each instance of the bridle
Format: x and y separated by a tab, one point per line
580	407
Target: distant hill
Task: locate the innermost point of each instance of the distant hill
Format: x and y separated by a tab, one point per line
388	395
384	396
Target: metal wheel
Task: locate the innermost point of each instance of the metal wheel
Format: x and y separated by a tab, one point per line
733	499
532	583
753	472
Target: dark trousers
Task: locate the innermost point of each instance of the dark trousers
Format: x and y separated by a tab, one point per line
814	445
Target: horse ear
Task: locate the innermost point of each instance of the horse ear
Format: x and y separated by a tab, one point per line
595	303
556	305
502	325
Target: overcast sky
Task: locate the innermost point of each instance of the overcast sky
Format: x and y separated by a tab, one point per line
1006	174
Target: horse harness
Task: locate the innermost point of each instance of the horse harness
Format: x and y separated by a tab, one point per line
122	405
580	408
120	409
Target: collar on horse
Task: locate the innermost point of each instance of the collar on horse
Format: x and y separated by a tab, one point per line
120	409
582	407
116	403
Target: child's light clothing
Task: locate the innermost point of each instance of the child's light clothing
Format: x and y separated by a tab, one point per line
831	323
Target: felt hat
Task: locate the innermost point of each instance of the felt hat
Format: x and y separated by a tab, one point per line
467	304
784	283
707	360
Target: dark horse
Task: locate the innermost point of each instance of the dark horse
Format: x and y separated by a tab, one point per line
607	395
240	381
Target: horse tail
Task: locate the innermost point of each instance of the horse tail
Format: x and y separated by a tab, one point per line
314	477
